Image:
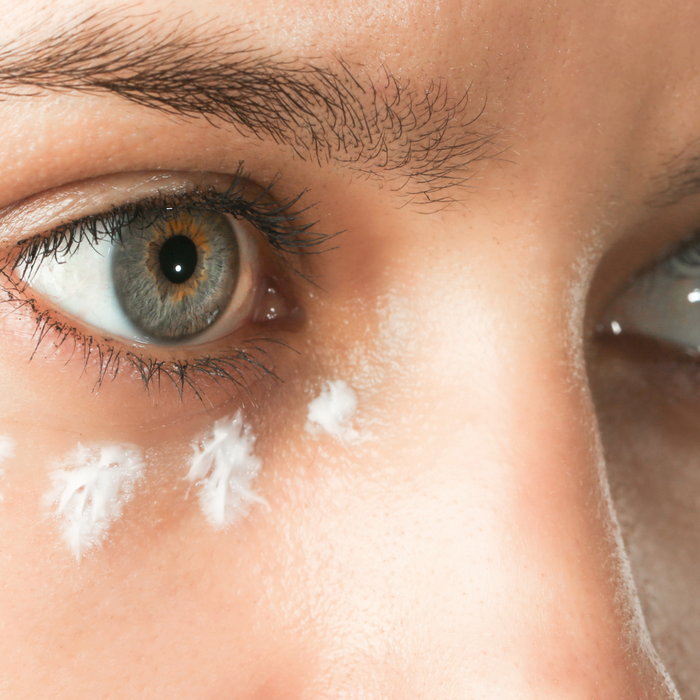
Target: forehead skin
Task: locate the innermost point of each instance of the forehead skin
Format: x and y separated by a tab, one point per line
470	552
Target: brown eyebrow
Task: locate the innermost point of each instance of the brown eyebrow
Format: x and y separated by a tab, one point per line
424	140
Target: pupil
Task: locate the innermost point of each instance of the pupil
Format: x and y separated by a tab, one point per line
178	259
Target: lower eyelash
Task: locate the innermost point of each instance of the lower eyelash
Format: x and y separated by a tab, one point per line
236	369
248	365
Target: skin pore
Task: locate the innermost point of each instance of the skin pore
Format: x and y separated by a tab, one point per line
490	177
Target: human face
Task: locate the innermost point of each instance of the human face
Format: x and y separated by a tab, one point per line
497	173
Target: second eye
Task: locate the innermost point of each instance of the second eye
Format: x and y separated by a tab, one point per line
166	277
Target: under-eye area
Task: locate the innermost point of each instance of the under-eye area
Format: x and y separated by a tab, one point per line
192	283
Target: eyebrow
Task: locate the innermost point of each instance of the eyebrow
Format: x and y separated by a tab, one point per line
424	140
679	177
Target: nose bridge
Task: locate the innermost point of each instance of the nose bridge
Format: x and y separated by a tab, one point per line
571	554
569	550
520	383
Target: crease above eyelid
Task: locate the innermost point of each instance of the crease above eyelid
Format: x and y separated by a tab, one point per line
48	210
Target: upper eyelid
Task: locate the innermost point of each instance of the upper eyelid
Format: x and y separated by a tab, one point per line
281	223
43	212
284	222
666	255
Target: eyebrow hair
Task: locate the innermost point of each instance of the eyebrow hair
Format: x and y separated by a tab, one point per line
680	177
424	140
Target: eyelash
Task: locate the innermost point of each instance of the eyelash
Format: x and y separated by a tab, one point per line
278	221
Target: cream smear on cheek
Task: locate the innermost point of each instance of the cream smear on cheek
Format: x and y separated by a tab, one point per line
333	411
7	450
224	466
90	487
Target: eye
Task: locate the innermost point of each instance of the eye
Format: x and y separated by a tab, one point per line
164	277
662	303
190	280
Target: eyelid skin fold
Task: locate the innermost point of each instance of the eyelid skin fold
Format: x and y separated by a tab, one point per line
48	210
76	205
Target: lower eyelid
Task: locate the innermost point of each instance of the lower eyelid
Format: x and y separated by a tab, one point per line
229	367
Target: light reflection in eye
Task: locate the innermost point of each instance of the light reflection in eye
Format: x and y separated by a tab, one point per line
662	303
694	296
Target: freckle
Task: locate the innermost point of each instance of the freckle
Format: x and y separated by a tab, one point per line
224	466
90	487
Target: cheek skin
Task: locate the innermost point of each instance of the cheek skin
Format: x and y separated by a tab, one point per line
329	590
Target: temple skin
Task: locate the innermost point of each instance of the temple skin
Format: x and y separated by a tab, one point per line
470	548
